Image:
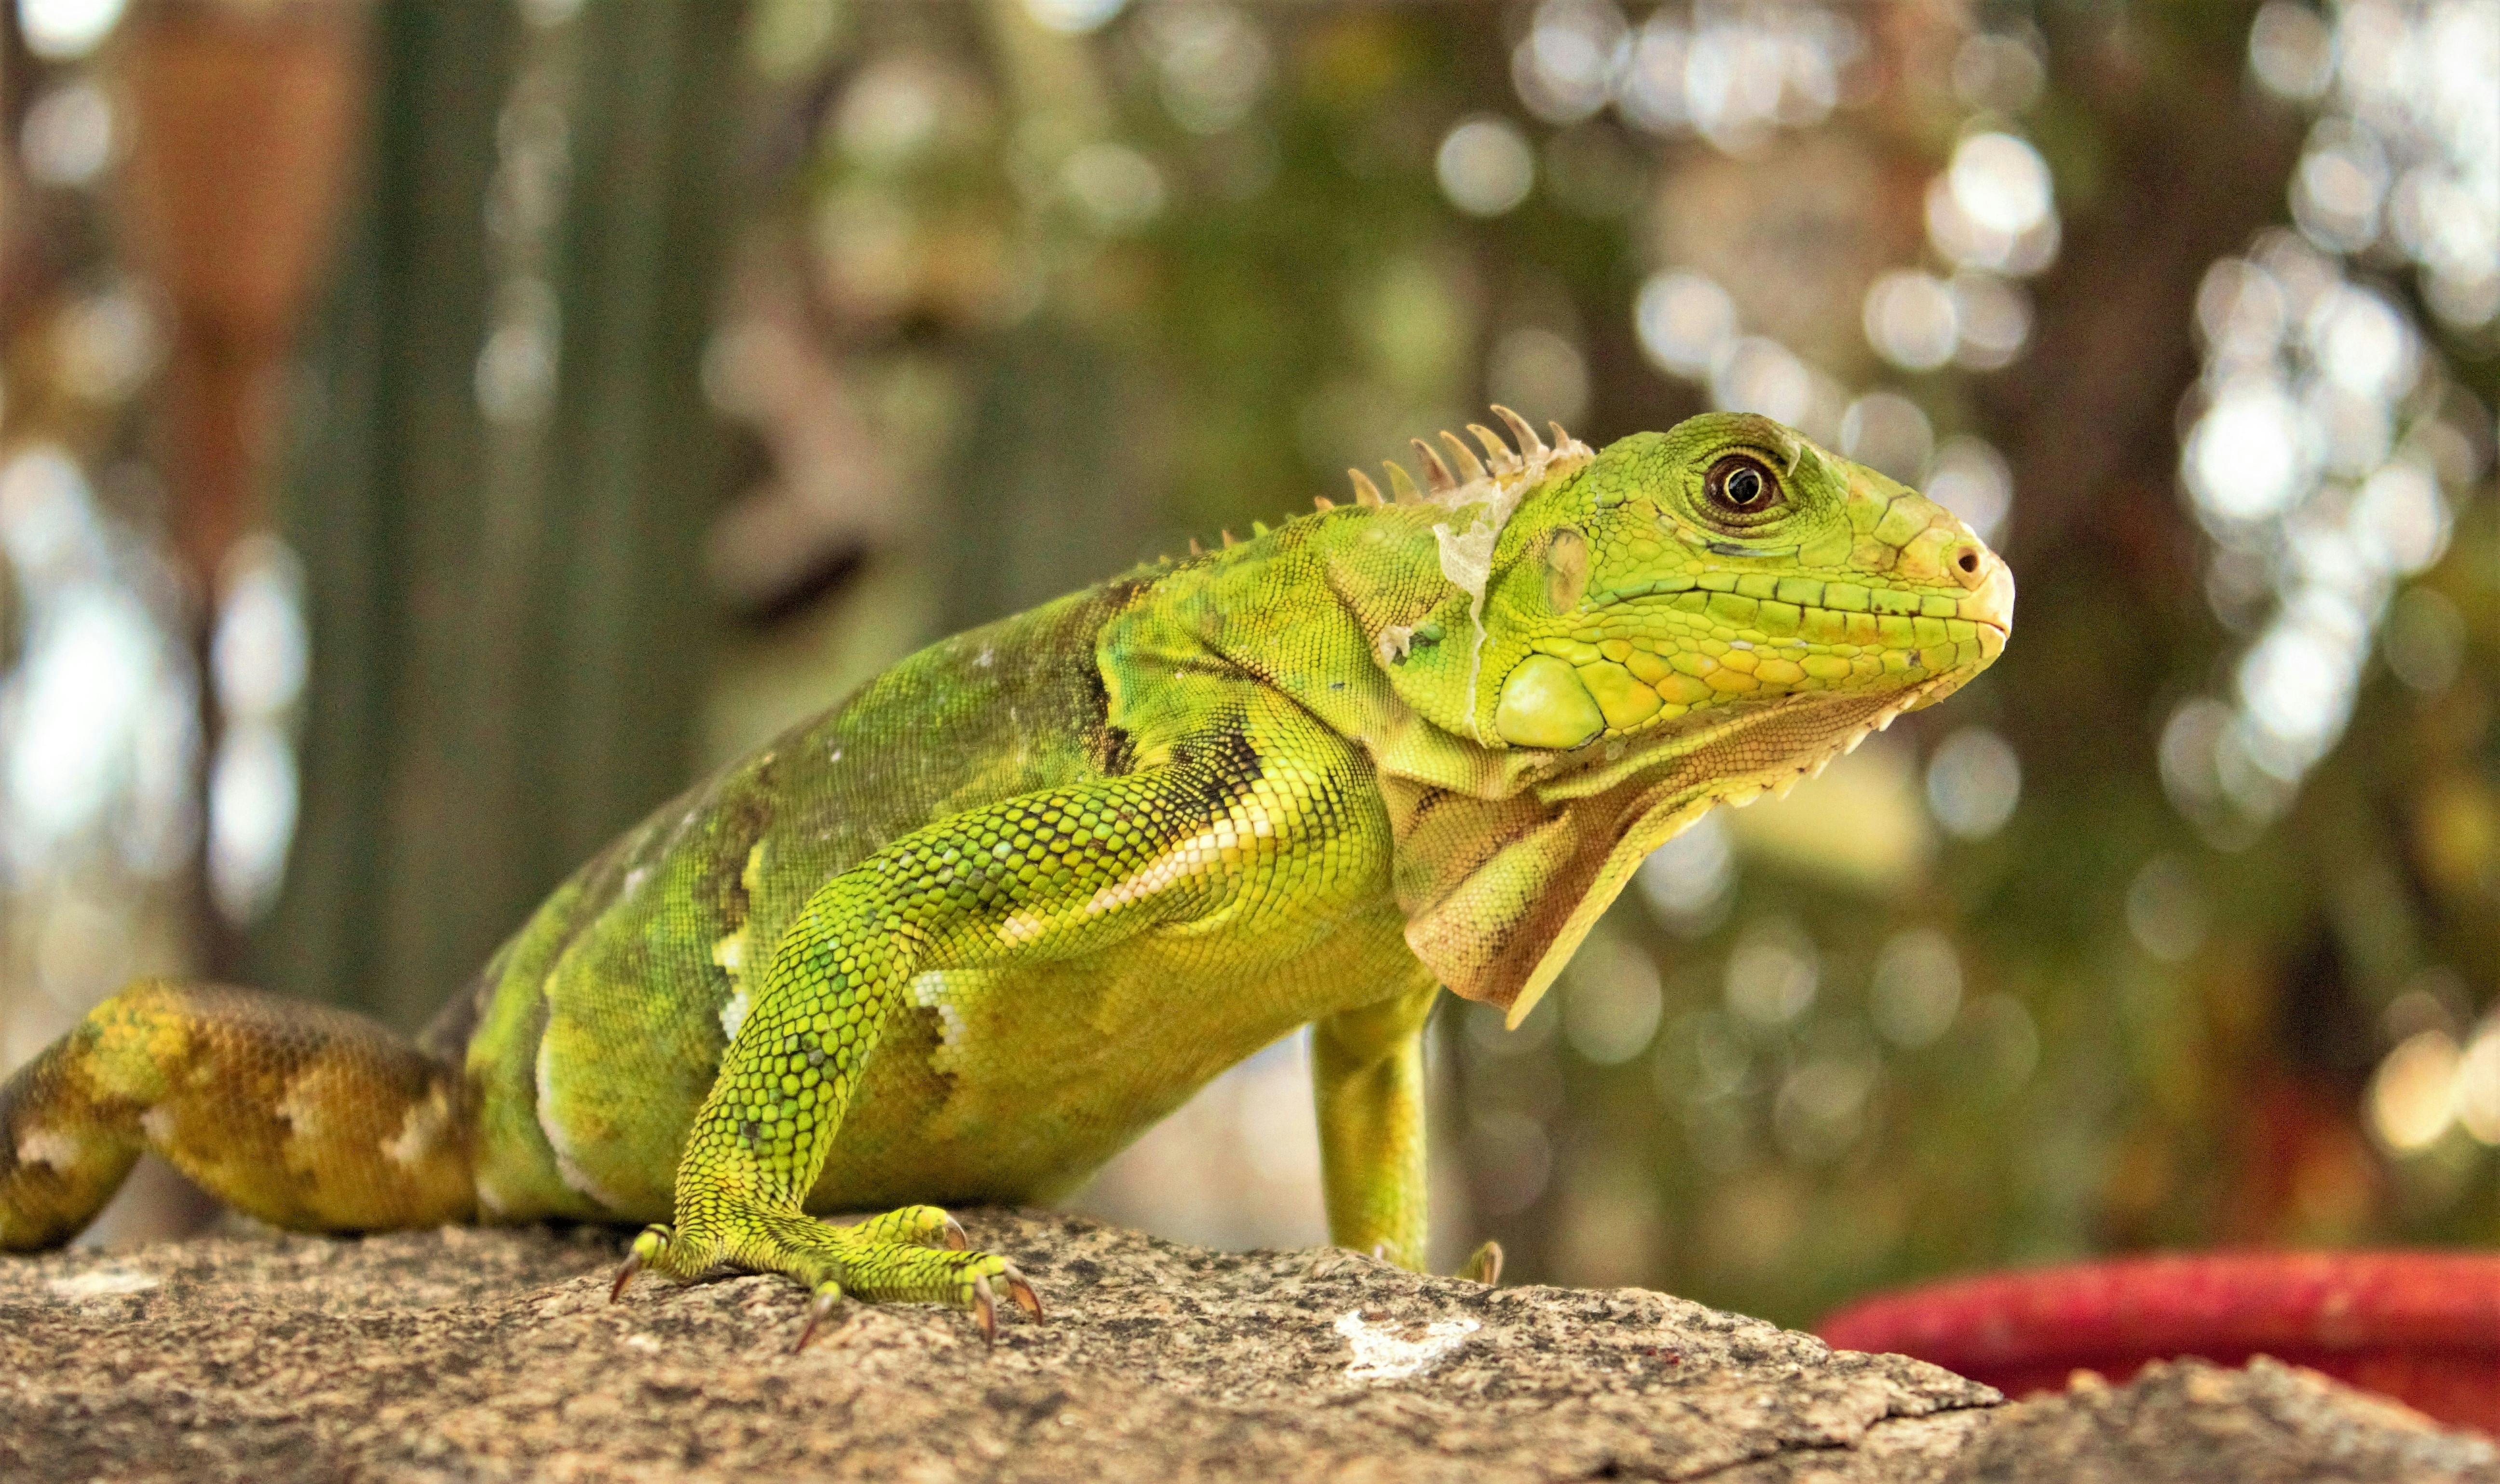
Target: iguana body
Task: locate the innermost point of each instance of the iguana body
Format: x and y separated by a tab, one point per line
965	935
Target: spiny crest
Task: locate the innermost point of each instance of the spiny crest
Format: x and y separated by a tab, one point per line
1499	477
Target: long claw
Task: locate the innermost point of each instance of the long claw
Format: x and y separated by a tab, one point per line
828	1298
986	1309
1484	1265
625	1276
1026	1298
956	1240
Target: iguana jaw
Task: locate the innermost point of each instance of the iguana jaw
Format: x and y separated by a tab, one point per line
1665	791
1652	785
1498	889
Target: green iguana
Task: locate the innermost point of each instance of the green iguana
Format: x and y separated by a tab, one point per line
966	934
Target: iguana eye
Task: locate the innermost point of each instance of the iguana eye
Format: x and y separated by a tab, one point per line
1741	488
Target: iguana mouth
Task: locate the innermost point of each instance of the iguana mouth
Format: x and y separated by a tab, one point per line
1660	658
1991	598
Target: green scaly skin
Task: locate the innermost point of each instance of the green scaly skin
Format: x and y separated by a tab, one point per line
969	933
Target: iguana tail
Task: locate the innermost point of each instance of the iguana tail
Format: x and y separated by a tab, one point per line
299	1115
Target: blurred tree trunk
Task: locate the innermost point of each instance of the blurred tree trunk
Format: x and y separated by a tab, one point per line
1042	495
506	624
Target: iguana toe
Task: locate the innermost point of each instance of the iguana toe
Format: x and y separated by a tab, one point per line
1026	1298
650	1247
924	1226
985	1303
829	1297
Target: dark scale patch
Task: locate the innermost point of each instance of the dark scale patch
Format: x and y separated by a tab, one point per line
1110	748
1430	799
744	816
1221	762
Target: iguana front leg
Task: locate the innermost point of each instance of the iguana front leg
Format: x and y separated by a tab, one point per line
1368	1081
1048	874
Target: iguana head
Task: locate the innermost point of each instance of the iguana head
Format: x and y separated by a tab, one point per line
1621	640
1726	565
1679	581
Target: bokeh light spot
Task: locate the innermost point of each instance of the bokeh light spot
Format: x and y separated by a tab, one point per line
1485	165
1889	433
1690	880
1917	988
1974	781
1115	185
1686	322
1772	973
1911	319
2247	457
1072	17
2292	51
64	30
2412	1098
1970	478
67	137
2166	908
1541	374
2000	183
1611	1007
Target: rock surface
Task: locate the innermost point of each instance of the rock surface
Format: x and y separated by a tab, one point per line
493	1355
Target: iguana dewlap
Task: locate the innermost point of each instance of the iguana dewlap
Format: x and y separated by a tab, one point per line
969	933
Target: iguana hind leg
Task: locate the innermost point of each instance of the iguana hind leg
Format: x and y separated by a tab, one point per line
302	1116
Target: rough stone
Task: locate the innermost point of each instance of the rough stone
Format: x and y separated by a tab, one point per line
494	1355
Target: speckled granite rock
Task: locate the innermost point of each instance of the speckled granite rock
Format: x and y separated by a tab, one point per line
2191	1423
468	1355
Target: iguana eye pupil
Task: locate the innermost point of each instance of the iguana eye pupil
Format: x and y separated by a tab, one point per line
1739	485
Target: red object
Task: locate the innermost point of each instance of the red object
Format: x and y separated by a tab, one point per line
2420	1327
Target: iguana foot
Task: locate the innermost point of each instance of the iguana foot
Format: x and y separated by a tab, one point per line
917	1254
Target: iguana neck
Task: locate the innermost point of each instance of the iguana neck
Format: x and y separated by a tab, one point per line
1350	613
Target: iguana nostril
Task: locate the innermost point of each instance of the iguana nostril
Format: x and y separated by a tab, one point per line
1968	560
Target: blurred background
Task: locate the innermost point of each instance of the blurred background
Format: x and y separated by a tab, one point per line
433	433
